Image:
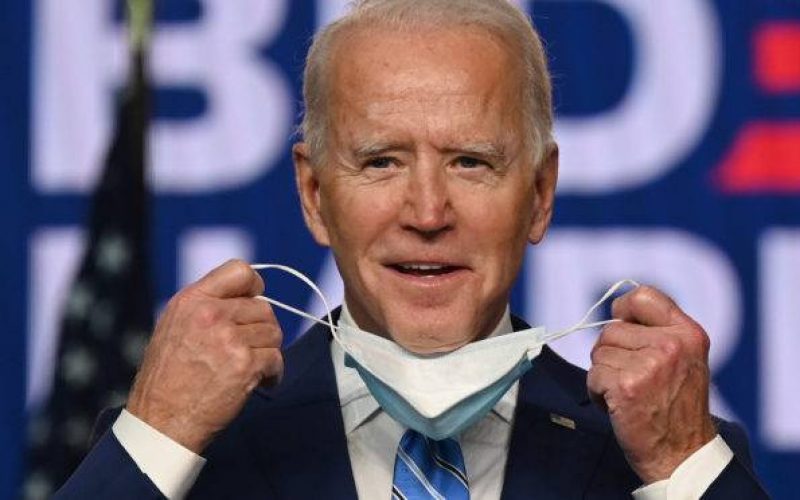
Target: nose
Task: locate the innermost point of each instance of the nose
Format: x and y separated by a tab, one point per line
427	209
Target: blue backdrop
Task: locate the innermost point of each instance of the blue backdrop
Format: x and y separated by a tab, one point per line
679	126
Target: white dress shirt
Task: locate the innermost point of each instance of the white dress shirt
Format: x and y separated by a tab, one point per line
373	437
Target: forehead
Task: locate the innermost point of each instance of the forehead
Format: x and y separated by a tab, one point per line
466	50
455	75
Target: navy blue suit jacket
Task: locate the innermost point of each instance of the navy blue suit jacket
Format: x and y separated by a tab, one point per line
289	443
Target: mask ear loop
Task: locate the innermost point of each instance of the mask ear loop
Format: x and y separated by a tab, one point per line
305	279
582	324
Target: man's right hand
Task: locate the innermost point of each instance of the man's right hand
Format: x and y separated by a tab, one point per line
214	343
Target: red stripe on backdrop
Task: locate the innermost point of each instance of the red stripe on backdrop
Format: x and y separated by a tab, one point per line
776	57
764	158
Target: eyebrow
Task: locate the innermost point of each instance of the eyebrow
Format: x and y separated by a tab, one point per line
377	148
482	149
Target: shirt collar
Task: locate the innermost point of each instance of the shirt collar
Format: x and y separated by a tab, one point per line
358	405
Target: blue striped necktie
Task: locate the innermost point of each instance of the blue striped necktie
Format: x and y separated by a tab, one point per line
428	469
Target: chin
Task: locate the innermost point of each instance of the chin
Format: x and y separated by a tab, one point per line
427	333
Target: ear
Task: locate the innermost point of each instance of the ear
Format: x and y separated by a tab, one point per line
307	179
545	190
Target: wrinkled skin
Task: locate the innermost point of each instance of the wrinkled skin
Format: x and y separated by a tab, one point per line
650	371
212	346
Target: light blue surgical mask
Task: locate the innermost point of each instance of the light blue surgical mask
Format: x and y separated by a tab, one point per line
439	395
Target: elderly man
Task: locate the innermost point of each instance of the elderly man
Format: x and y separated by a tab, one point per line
427	167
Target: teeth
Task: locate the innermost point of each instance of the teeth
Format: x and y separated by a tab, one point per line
422	267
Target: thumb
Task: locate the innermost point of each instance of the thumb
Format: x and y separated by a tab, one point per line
234	278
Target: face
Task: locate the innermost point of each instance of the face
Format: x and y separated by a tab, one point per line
427	194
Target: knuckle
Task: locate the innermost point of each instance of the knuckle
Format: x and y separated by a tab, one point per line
651	363
705	344
228	335
206	315
628	386
671	348
240	359
699	338
180	300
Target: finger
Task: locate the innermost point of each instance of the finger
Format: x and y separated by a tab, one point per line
615	357
260	335
647	306
246	310
626	335
232	279
269	364
600	380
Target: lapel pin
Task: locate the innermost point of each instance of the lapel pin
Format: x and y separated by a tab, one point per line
562	421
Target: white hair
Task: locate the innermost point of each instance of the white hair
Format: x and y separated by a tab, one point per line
499	17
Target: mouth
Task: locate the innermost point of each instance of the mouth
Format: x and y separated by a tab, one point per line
425	269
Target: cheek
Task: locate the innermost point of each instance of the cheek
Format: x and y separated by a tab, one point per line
355	217
500	220
497	231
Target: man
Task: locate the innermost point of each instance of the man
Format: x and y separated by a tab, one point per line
427	166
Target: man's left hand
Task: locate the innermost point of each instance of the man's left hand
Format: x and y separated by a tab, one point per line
650	371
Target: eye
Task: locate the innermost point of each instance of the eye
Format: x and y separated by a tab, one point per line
470	162
379	162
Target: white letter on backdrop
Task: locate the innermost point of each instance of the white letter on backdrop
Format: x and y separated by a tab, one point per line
80	60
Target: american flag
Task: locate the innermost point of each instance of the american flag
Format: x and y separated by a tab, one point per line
108	315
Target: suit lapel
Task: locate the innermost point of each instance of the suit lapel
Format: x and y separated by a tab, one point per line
301	442
558	436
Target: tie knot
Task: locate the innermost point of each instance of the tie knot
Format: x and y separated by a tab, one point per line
425	469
